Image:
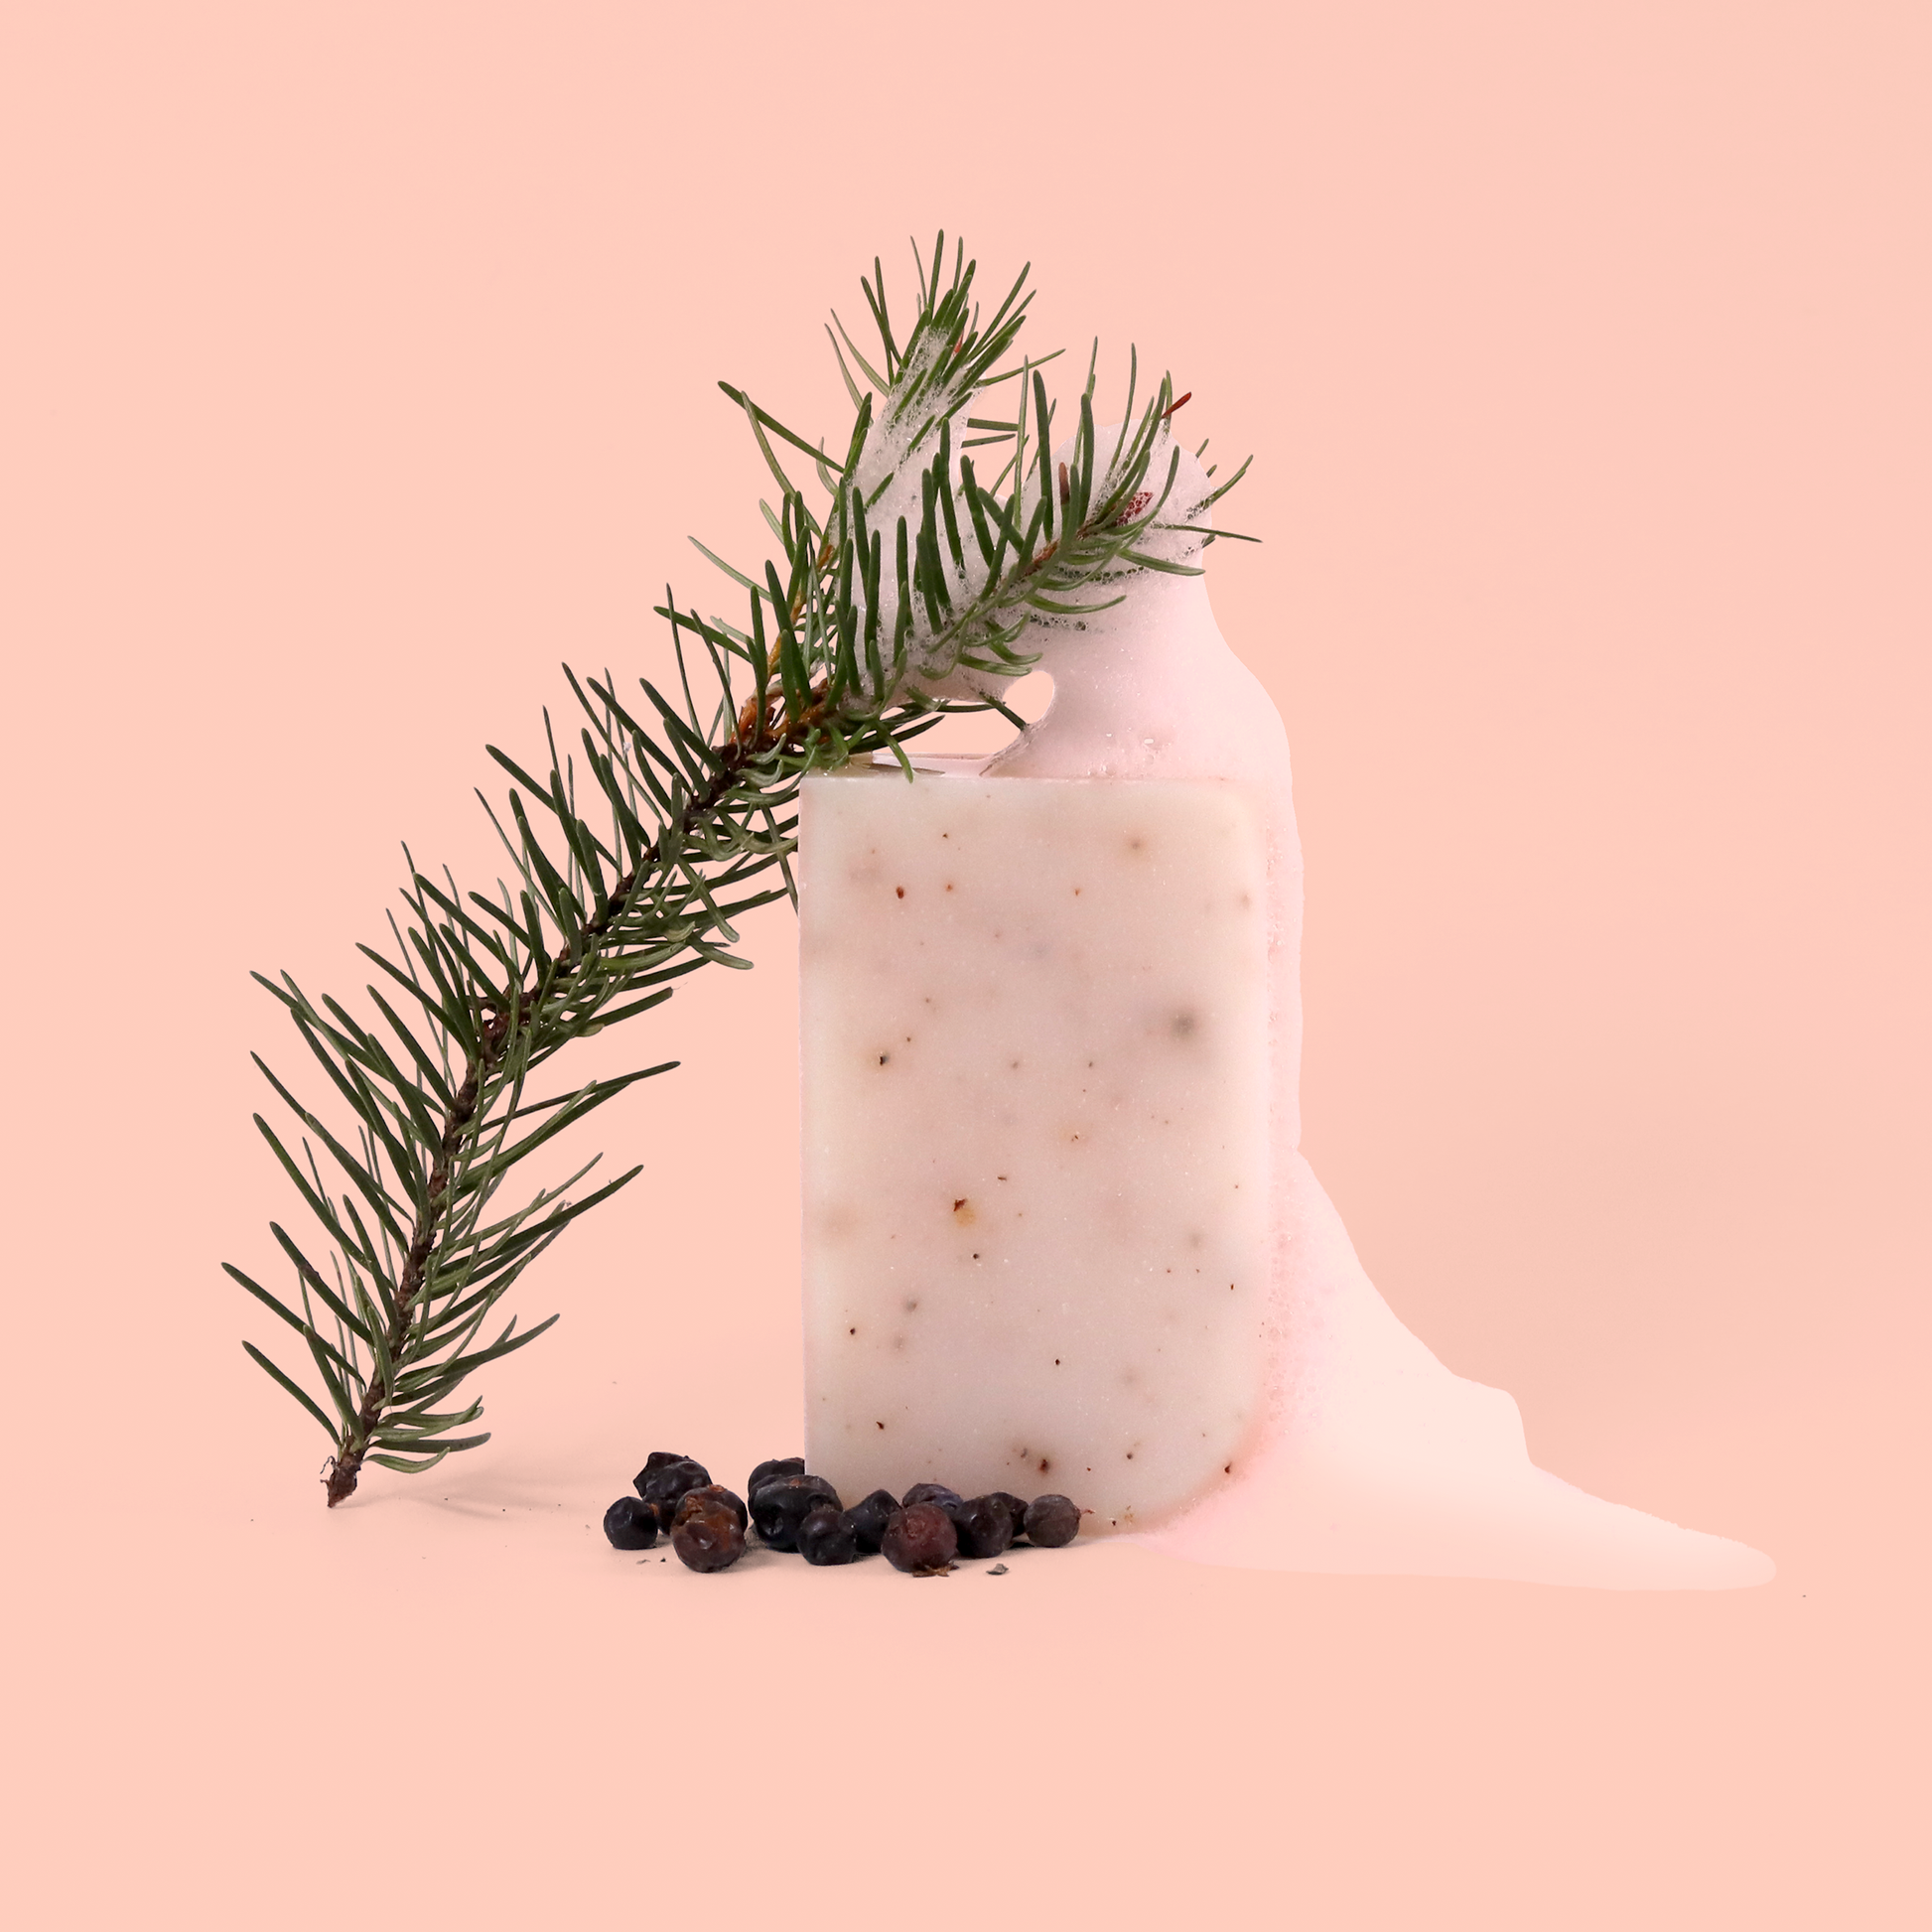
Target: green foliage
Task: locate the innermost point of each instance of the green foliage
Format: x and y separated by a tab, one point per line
913	575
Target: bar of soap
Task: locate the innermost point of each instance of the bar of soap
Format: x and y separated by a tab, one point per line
1037	1147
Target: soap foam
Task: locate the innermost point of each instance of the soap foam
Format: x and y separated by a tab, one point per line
1373	1456
1176	535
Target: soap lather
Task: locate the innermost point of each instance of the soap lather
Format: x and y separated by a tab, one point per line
1058	1231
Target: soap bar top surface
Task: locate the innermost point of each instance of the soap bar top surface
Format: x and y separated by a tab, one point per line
1037	1147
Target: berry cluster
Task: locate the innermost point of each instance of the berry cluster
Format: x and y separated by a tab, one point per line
920	1532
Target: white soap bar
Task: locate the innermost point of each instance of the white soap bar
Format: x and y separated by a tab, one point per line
1037	1150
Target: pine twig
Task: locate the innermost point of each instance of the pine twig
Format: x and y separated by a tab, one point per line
912	575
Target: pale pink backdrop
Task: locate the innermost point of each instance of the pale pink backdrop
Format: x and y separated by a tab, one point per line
356	367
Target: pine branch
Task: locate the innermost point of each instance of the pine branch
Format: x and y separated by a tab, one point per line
915	580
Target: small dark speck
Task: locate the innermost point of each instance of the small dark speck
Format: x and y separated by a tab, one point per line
949	885
879	1425
883	1057
1045	1465
899	889
1057	1362
851	1332
1227	1469
911	1303
998	1570
1130	1456
1184	1025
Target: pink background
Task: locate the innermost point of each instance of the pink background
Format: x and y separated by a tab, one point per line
358	368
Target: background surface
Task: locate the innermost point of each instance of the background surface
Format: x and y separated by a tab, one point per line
358	368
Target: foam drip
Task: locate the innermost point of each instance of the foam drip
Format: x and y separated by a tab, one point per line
1373	1458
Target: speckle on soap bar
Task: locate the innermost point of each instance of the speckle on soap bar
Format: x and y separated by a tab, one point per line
1036	1146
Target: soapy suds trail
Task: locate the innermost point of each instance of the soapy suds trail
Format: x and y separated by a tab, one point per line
1374	1457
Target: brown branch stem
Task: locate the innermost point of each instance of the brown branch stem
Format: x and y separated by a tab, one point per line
759	728
345	1469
